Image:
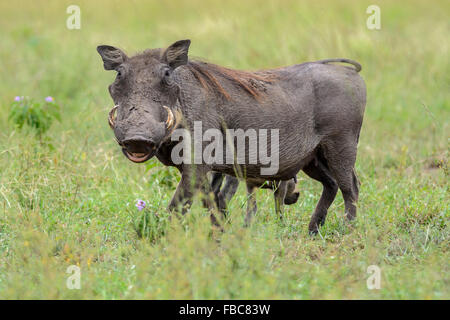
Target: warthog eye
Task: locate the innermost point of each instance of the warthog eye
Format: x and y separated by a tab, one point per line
120	72
167	79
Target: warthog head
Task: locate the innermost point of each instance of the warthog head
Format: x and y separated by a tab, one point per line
144	93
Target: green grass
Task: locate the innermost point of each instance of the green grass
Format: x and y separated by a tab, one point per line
75	204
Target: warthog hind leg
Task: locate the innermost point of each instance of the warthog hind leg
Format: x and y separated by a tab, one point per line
317	170
341	157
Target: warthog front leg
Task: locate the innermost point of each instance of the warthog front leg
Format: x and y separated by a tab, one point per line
188	185
251	204
222	197
208	197
229	189
280	195
182	196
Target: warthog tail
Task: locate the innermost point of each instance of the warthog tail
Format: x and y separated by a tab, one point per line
354	63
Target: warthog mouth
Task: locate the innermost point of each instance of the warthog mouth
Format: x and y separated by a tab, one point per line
138	157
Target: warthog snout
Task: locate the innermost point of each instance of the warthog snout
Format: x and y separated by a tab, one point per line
139	143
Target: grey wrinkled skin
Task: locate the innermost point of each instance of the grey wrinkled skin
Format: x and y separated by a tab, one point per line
318	108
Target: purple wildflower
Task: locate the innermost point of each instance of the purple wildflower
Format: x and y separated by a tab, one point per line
17	98
49	99
140	204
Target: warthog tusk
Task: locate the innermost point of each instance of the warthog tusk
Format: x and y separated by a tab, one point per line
172	122
111	120
170	118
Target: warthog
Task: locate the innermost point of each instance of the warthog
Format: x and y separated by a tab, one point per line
316	108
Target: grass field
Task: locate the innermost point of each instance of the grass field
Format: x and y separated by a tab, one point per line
73	204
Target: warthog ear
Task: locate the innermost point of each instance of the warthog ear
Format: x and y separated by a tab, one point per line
112	56
177	54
